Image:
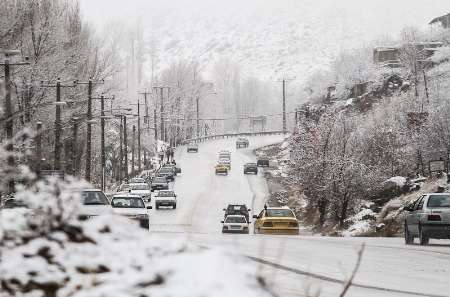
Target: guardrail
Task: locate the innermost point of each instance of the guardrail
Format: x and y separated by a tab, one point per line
231	135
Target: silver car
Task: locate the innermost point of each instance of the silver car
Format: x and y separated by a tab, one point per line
428	217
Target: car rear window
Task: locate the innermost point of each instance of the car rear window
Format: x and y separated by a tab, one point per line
166	194
280	213
94	198
439	201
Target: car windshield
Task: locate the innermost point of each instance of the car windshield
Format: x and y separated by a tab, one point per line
94	198
140	187
13	203
251	164
127	202
237	208
439	201
240	220
166	194
280	213
160	180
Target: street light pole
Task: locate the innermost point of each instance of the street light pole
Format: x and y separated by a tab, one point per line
90	84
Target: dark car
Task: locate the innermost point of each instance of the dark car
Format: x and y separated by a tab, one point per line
192	148
242	142
262	162
250	168
159	183
168	172
428	217
237	209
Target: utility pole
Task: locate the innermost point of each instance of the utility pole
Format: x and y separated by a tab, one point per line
8	109
133	148
162	126
74	146
198	113
38	143
155	125
139	134
125	144
121	148
284	107
58	124
90	84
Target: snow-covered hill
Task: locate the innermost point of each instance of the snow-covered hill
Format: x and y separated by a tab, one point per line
268	38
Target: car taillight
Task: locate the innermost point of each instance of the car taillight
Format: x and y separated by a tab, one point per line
434	218
267	224
293	224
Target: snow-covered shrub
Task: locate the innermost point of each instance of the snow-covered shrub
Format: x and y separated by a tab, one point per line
48	252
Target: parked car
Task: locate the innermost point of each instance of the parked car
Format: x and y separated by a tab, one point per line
166	198
428	217
276	220
133	207
237	209
159	183
94	203
235	224
221	169
192	148
242	142
250	168
175	168
168	172
143	190
263	162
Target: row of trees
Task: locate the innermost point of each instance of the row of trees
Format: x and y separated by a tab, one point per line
343	155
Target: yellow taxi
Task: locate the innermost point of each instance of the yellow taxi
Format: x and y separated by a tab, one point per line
221	169
276	220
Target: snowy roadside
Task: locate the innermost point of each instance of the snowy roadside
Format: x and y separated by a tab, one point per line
48	252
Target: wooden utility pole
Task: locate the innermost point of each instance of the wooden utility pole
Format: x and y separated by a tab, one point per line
58	124
90	84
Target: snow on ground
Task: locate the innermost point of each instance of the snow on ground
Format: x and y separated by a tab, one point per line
50	253
387	262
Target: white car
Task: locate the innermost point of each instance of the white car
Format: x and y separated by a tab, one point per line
235	224
94	203
166	198
141	189
131	206
137	180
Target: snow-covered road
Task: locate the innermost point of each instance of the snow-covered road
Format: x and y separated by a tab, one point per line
293	264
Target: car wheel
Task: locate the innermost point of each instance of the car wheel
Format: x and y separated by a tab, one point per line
423	238
409	238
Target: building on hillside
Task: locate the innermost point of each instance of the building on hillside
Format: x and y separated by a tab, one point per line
443	21
387	56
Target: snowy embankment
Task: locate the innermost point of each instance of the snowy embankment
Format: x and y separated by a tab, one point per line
49	252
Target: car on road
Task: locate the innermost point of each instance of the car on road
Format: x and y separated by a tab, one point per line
174	167
94	203
242	142
192	148
221	169
263	162
235	224
168	172
250	168
276	220
142	190
225	162
428	217
166	198
137	180
237	209
225	155
159	183
131	206
124	187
